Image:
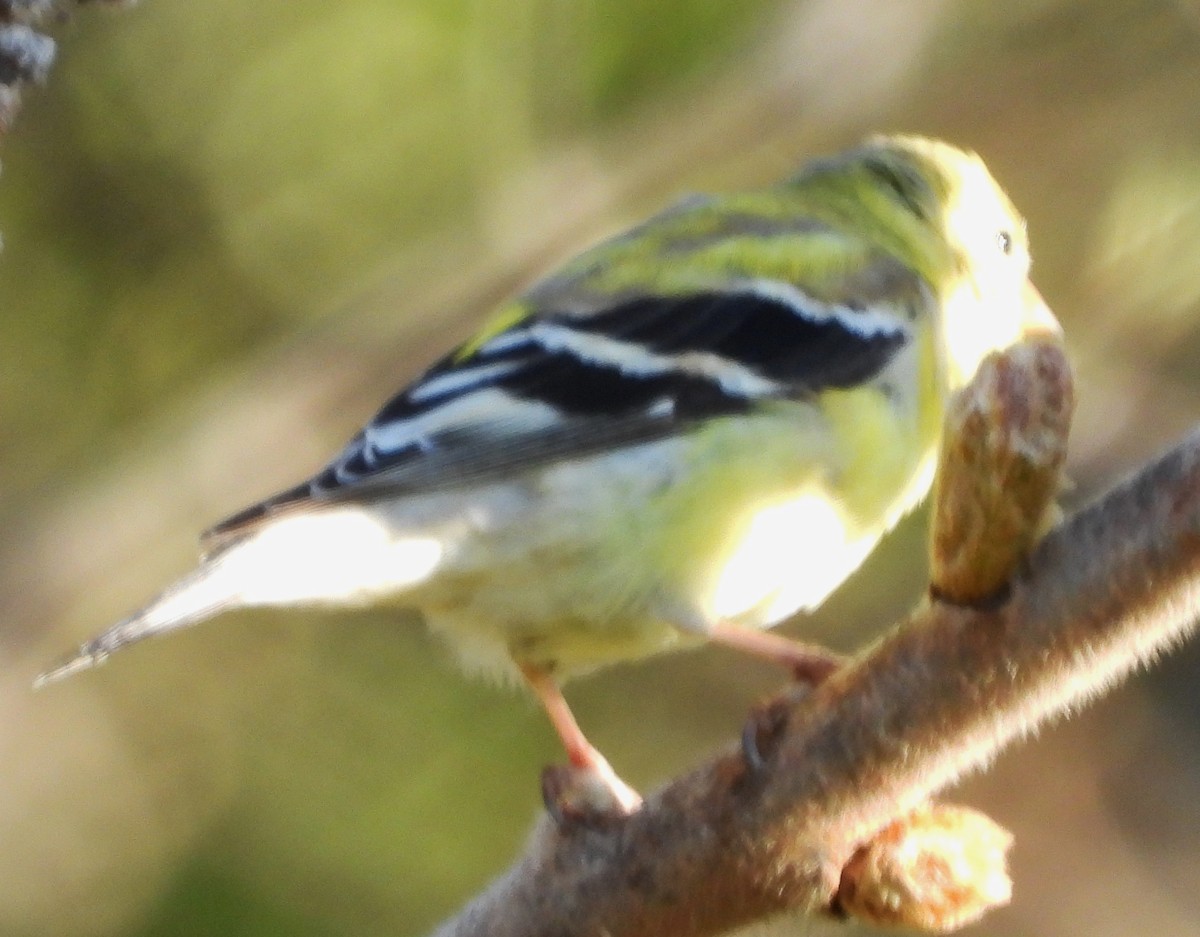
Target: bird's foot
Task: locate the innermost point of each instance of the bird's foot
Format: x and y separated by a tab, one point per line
588	794
585	792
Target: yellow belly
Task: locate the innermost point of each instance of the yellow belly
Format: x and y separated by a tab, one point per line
748	519
780	510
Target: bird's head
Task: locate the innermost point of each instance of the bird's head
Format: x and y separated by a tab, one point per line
940	211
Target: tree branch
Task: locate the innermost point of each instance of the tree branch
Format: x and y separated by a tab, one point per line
1105	591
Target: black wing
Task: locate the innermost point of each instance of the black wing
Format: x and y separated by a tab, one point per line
557	385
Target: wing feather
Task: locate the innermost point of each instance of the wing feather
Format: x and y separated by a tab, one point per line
557	384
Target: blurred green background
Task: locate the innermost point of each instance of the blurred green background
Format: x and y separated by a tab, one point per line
231	229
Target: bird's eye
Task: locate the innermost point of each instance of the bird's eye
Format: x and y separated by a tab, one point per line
1004	240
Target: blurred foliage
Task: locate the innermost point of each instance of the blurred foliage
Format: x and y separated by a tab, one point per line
202	176
230	229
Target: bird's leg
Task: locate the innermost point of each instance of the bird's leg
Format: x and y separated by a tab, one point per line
808	663
587	789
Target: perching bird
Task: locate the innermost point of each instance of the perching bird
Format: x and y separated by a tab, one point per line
692	430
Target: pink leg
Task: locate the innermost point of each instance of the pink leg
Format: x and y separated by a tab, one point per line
808	662
593	787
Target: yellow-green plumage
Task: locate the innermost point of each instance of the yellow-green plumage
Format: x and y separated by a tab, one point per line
850	462
534	534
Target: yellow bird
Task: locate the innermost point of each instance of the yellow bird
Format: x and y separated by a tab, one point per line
691	431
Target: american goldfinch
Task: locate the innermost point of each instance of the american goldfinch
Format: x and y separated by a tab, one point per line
692	430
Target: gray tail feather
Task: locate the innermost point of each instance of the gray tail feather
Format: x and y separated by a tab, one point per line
187	601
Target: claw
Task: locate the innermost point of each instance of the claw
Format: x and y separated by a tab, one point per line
762	731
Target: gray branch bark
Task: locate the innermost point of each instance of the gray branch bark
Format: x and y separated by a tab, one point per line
1106	591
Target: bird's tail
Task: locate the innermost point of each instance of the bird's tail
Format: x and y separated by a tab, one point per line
338	555
193	598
